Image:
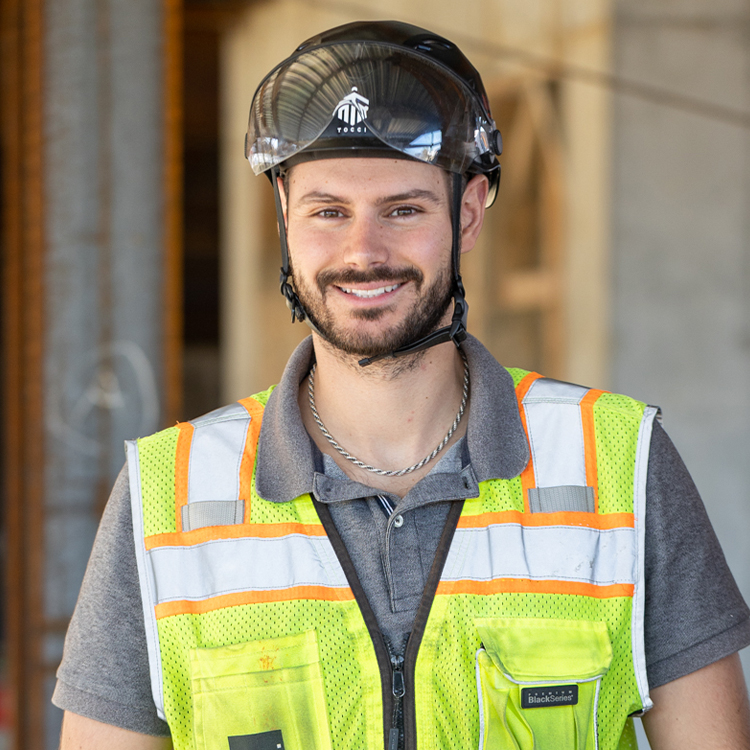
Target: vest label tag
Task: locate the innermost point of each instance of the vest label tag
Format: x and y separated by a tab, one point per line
261	741
556	695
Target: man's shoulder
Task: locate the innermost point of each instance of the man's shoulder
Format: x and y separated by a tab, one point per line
532	386
250	406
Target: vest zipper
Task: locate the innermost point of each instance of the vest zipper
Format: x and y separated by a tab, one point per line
402	671
398	688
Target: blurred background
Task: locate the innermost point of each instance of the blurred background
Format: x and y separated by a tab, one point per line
140	258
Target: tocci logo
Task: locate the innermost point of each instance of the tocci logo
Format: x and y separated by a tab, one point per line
352	110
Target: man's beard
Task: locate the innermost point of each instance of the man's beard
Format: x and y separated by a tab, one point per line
422	319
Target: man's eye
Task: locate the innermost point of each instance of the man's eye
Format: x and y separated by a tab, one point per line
329	213
404	211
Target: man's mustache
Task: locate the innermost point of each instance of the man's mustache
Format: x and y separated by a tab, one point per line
358	276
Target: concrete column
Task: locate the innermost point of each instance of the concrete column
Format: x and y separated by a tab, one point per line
104	252
681	281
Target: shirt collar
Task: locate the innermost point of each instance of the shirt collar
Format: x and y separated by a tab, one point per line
495	438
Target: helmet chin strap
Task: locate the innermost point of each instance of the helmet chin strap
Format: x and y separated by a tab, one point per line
292	300
455	332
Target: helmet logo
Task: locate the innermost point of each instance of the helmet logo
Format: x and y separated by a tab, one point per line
351	111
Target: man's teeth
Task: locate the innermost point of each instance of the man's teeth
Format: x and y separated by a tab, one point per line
366	293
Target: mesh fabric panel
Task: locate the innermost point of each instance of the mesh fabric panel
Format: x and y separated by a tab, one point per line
262	511
517	374
262	397
352	690
300	511
616	423
495	497
156	456
628	741
446	676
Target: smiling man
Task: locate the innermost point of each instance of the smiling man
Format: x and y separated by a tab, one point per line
386	274
404	544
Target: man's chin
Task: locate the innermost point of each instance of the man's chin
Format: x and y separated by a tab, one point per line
365	345
373	331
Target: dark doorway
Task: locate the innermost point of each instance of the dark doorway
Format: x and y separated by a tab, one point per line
203	22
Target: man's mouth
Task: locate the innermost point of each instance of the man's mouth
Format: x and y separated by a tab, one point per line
369	293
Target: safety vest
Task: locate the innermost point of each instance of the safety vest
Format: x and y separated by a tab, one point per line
529	635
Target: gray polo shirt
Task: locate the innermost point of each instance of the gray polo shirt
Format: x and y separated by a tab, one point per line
694	613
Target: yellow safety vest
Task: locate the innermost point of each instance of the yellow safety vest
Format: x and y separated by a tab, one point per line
530	633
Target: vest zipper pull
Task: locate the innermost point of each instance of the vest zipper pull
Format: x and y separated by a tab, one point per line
398	688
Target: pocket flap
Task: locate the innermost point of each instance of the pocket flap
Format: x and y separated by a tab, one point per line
540	650
270	655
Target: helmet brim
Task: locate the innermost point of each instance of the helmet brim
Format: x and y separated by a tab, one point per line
374	96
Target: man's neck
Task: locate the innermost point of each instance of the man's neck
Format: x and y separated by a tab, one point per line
390	415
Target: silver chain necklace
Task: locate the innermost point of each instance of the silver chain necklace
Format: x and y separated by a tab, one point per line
383	472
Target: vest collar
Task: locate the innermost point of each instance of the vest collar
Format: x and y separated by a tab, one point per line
495	437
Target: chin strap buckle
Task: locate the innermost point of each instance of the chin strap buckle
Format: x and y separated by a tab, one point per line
292	300
457	332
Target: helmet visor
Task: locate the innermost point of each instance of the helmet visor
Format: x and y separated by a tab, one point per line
351	94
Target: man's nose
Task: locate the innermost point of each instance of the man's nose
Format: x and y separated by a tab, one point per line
366	243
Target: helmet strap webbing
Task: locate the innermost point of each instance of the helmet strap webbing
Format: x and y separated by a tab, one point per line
292	300
456	331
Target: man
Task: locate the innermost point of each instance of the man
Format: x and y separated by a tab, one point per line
404	544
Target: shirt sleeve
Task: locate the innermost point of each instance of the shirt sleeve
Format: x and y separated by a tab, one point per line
104	674
695	614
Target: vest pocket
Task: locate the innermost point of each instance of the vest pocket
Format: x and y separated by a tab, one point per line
248	693
538	682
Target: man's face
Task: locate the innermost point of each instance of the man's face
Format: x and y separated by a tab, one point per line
370	247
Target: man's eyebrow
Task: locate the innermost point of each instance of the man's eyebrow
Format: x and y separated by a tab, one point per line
316	196
417	193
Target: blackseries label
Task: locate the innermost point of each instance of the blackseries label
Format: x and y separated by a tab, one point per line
261	741
543	697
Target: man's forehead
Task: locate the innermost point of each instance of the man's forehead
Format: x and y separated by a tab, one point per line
392	175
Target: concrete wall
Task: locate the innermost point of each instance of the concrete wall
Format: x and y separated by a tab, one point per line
680	262
103	274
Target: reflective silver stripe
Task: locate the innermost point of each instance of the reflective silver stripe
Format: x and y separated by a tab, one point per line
228	566
553	418
557	390
639	596
198	515
574	499
230	411
215	457
146	578
566	553
481	699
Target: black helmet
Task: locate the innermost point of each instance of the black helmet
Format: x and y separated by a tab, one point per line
375	87
381	88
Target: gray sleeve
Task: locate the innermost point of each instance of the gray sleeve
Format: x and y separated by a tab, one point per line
695	614
104	674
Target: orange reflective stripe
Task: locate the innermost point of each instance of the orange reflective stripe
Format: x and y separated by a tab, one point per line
186	607
528	586
181	469
589	441
237	531
255	410
528	480
590	520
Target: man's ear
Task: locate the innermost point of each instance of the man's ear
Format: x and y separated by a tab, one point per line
472	211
